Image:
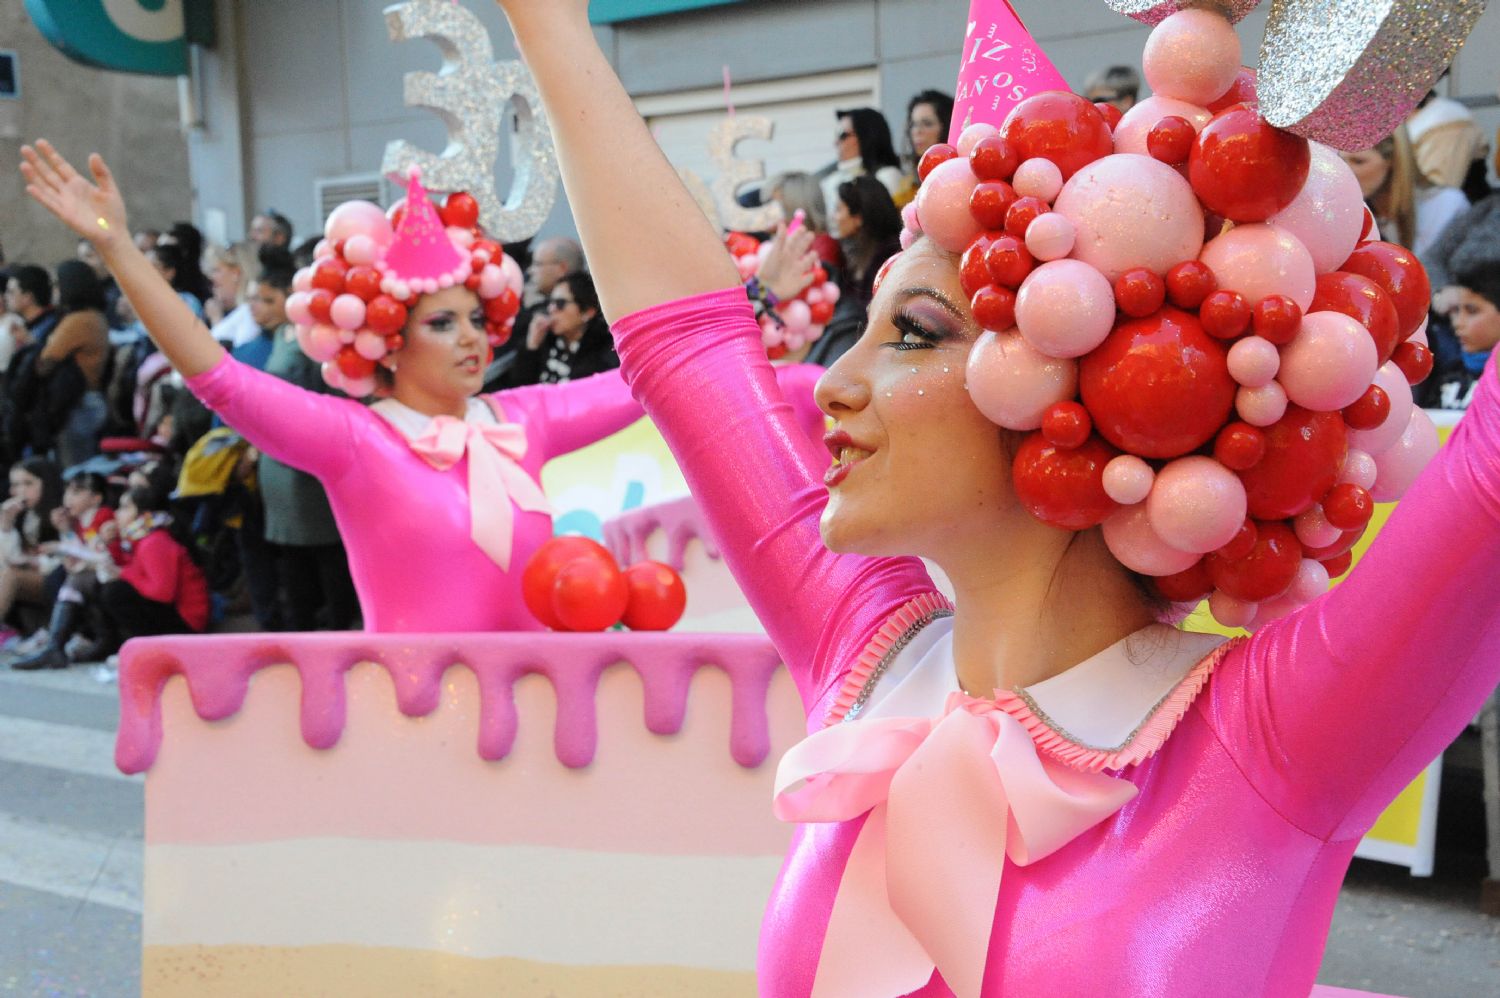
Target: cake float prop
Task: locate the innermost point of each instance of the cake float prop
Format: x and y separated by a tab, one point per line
1190	318
575	584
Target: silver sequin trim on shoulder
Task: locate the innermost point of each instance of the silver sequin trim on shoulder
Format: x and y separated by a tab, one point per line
885	662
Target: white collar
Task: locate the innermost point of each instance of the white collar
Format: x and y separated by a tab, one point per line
411	424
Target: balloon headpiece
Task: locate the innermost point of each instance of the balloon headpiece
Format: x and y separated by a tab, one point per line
372	267
1190	315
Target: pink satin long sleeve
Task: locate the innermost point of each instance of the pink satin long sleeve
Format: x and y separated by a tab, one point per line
390	504
699	369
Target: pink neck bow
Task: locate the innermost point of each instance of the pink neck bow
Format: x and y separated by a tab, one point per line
496	479
950	798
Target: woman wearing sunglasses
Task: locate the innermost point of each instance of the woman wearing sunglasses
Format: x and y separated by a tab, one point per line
571	342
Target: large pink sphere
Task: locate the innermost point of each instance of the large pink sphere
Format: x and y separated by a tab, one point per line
1065	308
358	218
1399	464
1133	129
1329	213
1013	384
1135	545
1193	55
1132	211
943	206
1261	260
1395	385
1329	364
1197	504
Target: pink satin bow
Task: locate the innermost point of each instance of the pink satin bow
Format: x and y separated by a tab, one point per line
949	799
496	478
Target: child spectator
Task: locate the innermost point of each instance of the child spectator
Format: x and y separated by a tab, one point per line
1474	310
157	589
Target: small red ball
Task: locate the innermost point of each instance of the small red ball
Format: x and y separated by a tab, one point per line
990	203
1008	261
1398	271
1243	543
1139	293
1304	455
461	211
1241	91
364	282
353	365
329	273
657	597
1364	301
1022	213
1277	318
539	577
385	315
995	308
1344	544
1112	114
973	273
1339	565
993	159
1189	284
503	307
1064	487
1415	361
1266	572
1067	425
1370	411
589	595
320	305
1225	314
935	157
1240	446
1188	586
1171	140
1348	507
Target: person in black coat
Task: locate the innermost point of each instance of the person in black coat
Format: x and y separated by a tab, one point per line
574	341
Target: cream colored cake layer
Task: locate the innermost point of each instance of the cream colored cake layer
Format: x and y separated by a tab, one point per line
375	972
554	906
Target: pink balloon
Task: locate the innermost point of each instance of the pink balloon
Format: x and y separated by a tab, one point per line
296	308
1261	260
515	277
1194	55
1050	237
323	250
1311	582
361	250
1420	336
358	218
973	135
1389	378
1330	363
1313	529
1261	406
1135	545
492	283
359	387
909	218
1038	178
1272	610
369	345
1197	504
943	204
1065	308
1132	131
1128	479
302	279
332	375
322	343
1359	469
1229	611
1329	213
797	315
909	239
1132	211
348	312
1013	384
1399	464
832	293
1254	361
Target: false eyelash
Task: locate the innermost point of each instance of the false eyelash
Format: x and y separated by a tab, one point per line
907	325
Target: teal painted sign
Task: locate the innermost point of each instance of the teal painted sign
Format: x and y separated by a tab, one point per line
610	11
130	36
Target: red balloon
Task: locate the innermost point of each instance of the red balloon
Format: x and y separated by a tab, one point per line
822	313
1364	301
1171	140
1112	114
993	159
657	597
1067	425
589	595
1340	565
1348	506
995	308
1371	410
1243	543
741	244
1009	261
1338	548
1415	362
990	203
1158	387
1225	315
385	315
1188	586
1064	487
1139	293
1240	446
1059	126
353	365
1022	213
1190	283
490	251
1241	91
460	210
1304	455
328	275
1244	168
972	272
1266	572
320	304
935	157
1398	271
364	282
1277	318
540	574
502	307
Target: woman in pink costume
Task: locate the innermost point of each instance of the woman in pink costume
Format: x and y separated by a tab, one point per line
435	491
1048	792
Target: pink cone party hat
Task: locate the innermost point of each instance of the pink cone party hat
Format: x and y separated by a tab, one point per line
423	257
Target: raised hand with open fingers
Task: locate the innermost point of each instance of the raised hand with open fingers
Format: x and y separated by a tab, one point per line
93	209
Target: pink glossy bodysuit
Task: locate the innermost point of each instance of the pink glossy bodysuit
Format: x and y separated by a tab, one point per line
1220	876
405	523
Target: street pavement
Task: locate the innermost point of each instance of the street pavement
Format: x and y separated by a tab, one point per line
71	830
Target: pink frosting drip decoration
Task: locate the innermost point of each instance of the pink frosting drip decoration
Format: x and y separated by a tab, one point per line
422	255
681	520
218	671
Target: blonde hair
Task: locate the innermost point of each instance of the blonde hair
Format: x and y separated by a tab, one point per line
800	190
242	256
1396	201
